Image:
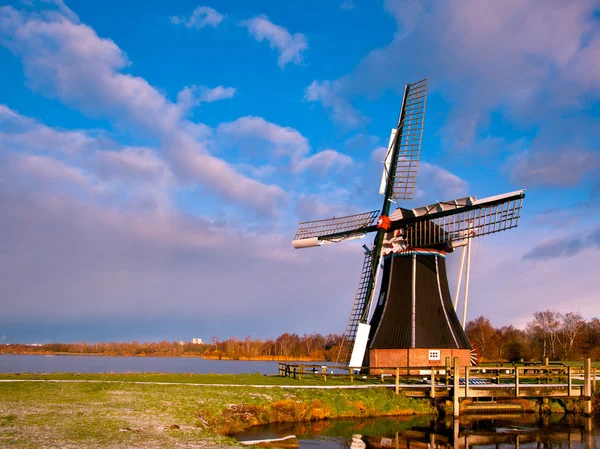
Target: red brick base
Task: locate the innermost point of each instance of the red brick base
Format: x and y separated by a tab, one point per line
417	357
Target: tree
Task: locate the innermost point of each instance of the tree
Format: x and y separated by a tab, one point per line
571	325
544	329
512	344
482	334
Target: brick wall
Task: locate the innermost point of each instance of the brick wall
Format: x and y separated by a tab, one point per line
390	358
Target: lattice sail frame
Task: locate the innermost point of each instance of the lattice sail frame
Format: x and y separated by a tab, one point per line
409	139
331	226
359	308
455	225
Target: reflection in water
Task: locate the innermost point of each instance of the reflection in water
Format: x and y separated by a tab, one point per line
479	431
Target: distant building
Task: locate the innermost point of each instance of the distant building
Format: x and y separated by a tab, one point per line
197	341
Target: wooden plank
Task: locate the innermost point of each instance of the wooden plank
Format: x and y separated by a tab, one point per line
288	441
456	383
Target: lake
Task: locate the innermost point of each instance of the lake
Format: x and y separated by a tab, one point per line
525	431
10	363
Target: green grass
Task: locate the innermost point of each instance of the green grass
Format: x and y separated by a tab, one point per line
117	412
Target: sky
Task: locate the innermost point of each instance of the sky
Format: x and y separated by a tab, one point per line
156	157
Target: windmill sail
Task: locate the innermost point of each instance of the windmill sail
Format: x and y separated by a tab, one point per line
455	221
333	230
359	309
402	172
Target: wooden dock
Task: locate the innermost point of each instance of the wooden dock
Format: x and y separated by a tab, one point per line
536	381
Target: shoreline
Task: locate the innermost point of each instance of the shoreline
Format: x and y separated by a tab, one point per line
240	359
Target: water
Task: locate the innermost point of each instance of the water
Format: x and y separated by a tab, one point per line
105	364
498	431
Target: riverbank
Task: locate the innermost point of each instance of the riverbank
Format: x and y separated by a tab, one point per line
133	410
183	355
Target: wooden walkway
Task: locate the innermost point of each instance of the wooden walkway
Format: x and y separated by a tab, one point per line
540	381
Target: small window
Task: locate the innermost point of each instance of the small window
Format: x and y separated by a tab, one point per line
434	354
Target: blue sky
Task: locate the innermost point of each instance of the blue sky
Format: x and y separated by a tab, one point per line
155	157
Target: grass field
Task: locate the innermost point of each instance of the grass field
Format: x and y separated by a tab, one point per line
170	410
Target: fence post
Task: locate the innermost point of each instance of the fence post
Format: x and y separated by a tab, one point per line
587	379
594	380
516	381
432	393
467	372
397	380
569	381
456	383
325	373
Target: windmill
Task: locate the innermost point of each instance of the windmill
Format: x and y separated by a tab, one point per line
413	321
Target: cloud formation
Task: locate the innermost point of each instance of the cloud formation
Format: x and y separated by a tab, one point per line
567	246
201	17
564	168
285	141
323	161
330	95
192	96
528	58
69	61
289	46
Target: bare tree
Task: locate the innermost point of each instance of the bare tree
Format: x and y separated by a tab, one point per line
545	327
571	325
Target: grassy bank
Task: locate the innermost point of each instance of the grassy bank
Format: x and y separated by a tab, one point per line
118	412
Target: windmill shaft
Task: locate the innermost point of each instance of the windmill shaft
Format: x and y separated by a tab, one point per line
460	272
464	317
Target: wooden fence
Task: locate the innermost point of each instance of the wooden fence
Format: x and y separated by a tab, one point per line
545	380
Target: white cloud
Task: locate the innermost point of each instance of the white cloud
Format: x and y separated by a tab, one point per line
201	17
438	183
285	141
18	132
52	171
324	205
324	161
529	60
69	61
330	95
132	163
191	96
289	46
565	167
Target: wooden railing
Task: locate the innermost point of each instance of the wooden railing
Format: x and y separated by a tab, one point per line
503	380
